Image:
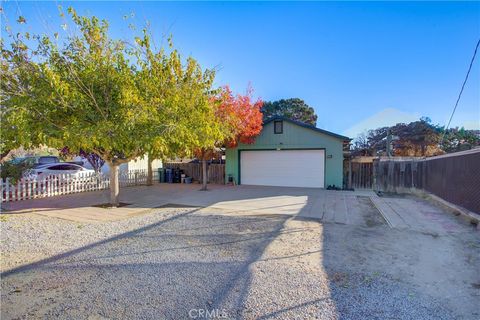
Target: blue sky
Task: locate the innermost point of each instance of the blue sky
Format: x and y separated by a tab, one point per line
360	65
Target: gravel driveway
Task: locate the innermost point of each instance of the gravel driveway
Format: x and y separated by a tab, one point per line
186	262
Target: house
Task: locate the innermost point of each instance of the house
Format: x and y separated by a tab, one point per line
140	163
288	153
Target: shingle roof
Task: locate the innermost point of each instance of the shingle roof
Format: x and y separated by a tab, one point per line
301	124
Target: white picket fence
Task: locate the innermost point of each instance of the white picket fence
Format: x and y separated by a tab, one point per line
60	184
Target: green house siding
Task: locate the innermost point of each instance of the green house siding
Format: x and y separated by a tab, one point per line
294	137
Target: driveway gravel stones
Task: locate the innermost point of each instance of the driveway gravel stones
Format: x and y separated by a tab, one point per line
180	263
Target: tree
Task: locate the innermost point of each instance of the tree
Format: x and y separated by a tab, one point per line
240	119
88	91
417	138
94	159
179	95
82	92
241	115
208	130
294	109
16	130
361	146
458	139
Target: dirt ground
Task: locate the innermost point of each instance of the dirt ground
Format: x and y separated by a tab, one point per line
331	257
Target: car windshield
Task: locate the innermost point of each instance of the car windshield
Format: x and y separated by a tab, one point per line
44	160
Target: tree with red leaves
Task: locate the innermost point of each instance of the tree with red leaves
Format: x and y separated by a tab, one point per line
240	120
241	115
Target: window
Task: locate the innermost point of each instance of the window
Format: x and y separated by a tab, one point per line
278	127
60	167
64	167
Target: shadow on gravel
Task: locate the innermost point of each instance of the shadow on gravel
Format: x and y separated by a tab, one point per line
203	261
376	272
152	272
280	313
92	246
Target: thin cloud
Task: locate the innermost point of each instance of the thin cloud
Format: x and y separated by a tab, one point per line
386	117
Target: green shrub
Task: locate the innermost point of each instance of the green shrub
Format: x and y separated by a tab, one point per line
15	169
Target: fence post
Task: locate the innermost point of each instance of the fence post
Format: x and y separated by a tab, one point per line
55	185
24	193
52	185
27	189
34	188
14	191
30	188
87	182
51	182
7	186
47	185
66	183
59	184
62	183
43	183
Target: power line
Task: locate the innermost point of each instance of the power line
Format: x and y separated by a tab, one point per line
461	91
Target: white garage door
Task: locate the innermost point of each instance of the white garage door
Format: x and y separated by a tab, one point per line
288	168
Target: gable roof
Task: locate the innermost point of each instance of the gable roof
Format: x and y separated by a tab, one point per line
301	124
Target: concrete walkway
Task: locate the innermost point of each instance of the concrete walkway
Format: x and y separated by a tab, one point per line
344	207
331	206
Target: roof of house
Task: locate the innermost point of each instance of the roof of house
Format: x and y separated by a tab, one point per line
301	124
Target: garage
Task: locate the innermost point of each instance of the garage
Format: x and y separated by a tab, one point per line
289	168
288	153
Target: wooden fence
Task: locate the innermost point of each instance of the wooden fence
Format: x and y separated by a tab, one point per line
362	175
453	177
60	184
216	172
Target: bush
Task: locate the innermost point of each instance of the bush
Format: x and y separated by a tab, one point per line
15	169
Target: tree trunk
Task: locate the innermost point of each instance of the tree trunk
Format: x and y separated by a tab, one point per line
114	185
204	175
149	170
4	154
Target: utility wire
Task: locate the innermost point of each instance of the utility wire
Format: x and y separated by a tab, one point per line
461	91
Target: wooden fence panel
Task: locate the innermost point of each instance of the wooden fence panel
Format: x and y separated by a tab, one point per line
216	172
362	175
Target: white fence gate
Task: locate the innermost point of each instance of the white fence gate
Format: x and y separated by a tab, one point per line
60	184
